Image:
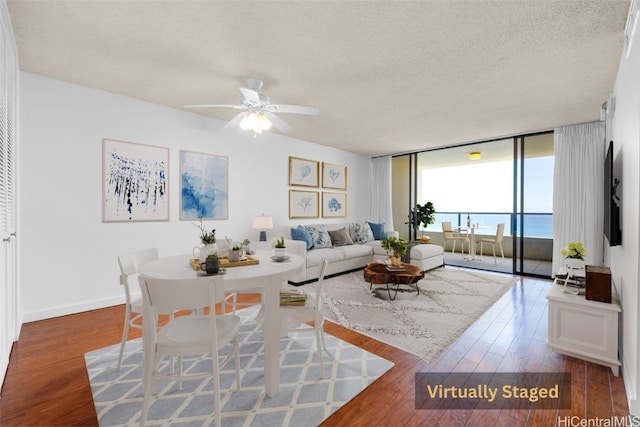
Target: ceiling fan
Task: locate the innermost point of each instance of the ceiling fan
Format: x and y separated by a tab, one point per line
260	112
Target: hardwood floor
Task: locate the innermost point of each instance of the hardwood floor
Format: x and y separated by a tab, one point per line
47	384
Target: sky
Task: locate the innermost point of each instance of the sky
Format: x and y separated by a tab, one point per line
488	187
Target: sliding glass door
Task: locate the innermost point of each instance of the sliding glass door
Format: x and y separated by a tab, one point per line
497	194
533	244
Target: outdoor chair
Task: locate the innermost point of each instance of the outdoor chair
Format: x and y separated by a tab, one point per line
449	234
497	240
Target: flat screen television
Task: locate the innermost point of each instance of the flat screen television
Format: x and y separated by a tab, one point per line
611	202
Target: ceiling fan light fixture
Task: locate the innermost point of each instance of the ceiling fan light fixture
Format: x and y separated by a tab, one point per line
256	122
475	155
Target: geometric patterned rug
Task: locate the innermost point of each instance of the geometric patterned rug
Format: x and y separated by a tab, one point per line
305	399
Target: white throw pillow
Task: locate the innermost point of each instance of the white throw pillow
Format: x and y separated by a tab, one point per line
362	233
319	235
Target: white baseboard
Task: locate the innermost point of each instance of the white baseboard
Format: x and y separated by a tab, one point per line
4	364
70	309
630	389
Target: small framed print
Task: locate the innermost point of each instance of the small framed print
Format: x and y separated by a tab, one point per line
334	176
304	172
303	204
334	205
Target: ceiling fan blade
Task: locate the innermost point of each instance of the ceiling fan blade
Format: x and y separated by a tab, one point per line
278	122
295	109
238	107
233	123
250	96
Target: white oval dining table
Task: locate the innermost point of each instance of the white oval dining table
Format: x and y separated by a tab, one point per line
268	274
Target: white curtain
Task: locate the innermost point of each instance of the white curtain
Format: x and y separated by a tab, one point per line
578	192
380	209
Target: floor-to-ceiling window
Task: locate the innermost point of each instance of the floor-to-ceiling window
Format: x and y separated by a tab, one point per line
533	232
500	183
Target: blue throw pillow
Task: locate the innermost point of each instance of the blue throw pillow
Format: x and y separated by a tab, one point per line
302	234
379	230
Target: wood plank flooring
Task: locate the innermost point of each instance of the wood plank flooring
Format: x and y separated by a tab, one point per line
47	384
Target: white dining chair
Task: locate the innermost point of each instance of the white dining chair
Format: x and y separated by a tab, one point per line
130	266
299	317
188	335
496	240
231	298
448	234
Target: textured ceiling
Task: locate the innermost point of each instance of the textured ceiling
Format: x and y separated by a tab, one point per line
387	76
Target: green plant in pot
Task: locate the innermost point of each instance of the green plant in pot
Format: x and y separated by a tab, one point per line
421	217
397	247
236	253
279	248
246	244
206	237
212	264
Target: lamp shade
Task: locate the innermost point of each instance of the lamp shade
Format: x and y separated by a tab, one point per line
263	223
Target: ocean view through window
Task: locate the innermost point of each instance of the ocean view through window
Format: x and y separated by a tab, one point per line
535	224
506	181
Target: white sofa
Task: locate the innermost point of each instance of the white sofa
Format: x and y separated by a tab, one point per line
352	257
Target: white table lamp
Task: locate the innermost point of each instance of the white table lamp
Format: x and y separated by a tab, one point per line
263	223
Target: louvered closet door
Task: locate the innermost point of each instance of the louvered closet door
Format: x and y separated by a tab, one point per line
8	273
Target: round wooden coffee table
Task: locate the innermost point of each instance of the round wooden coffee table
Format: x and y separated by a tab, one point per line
377	273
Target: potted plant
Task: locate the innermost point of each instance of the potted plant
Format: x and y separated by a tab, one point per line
208	240
397	247
246	244
279	248
212	264
423	216
236	253
573	255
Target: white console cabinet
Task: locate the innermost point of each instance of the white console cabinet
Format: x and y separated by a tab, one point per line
584	329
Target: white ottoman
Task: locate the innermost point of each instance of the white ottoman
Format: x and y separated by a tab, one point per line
427	256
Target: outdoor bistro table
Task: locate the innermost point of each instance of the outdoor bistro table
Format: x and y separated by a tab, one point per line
377	273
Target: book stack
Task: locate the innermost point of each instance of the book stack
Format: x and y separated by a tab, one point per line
293	297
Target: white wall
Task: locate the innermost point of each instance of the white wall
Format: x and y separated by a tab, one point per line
625	133
68	255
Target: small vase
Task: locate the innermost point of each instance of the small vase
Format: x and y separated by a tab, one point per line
575	267
395	261
236	255
202	252
212	266
279	252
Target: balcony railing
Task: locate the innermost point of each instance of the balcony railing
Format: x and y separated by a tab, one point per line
536	224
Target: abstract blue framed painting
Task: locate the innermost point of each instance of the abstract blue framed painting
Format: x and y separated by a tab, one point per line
134	182
204	183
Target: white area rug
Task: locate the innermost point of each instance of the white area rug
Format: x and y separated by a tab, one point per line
450	301
304	398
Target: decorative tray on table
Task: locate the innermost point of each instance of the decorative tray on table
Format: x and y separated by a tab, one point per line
248	260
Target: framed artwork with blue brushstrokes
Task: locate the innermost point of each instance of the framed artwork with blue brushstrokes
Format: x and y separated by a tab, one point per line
134	182
334	205
204	186
304	172
334	176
